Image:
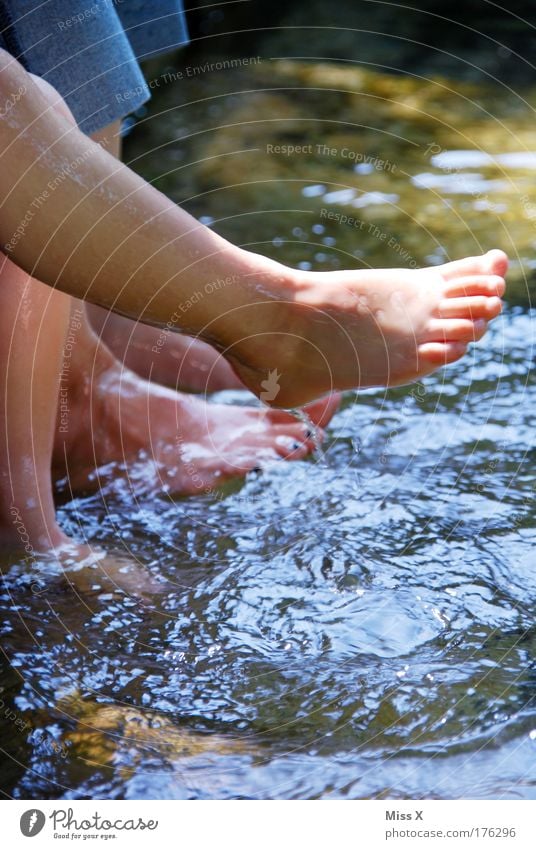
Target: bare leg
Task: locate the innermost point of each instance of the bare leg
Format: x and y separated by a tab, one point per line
170	359
108	237
33	326
160	439
105	414
37	325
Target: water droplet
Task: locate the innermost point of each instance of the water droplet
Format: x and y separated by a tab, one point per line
314	430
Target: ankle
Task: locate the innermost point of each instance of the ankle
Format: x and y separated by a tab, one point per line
259	318
30	534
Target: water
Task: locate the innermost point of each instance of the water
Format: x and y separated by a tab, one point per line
360	627
304	417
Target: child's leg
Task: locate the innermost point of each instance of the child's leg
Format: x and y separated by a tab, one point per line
182	443
33	325
172	359
159	439
35	357
47	350
109	237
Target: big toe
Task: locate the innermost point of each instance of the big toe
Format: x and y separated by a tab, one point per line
322	411
493	262
497	262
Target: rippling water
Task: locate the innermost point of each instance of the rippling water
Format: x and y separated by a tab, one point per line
360	627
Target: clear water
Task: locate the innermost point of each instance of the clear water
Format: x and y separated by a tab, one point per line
360	627
313	430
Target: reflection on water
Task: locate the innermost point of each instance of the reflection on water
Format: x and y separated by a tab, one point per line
357	627
336	166
360	627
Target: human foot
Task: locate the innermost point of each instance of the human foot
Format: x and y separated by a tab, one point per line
165	357
85	569
165	440
342	330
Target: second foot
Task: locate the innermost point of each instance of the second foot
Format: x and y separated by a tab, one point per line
175	442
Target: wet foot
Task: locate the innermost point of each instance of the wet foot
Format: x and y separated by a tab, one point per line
342	330
84	569
168	441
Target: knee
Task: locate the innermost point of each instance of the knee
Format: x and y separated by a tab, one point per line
16	81
53	98
13	77
8	63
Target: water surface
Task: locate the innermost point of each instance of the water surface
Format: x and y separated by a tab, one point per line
360	627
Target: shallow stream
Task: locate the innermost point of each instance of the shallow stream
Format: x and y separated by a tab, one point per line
360	627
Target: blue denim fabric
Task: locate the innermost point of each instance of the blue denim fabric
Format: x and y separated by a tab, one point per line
89	49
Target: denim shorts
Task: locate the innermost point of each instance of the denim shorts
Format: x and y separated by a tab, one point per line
89	49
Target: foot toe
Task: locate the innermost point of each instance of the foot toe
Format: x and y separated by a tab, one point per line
441	353
463	287
321	412
493	262
294	444
455	330
497	262
476	306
